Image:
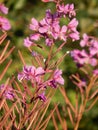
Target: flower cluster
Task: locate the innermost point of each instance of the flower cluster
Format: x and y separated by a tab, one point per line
50	29
7	92
4	22
89	53
37	77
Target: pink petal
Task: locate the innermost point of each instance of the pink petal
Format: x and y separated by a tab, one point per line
34	24
40	71
35	36
3	9
27	42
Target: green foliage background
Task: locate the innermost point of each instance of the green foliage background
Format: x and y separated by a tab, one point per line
20	14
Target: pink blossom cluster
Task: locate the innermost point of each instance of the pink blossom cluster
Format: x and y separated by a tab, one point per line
50	29
37	77
4	22
89	52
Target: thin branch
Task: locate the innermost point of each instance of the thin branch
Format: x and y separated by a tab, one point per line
64	126
93	103
5	69
43	115
54	122
21	57
7	55
58	49
66	99
7	114
4	50
48	118
2	38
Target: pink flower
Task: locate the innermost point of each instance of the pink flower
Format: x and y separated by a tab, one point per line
62	33
84	41
42	96
74	36
43	29
27	42
31	73
8	92
61	8
81	58
67	10
4	24
49	42
34	24
21	76
91	43
93	47
73	33
57	77
3	9
35	36
73	24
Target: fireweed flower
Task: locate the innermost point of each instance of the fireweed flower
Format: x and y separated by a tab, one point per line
38	80
62	33
42	96
27	42
8	93
4	24
91	43
94	47
73	33
49	42
35	37
34	24
81	57
72	25
50	25
31	73
3	9
87	55
57	79
74	36
67	10
85	40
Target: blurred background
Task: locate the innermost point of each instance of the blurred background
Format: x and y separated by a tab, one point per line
20	14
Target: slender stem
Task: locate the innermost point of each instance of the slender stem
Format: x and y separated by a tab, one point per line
80	114
85	99
49	57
